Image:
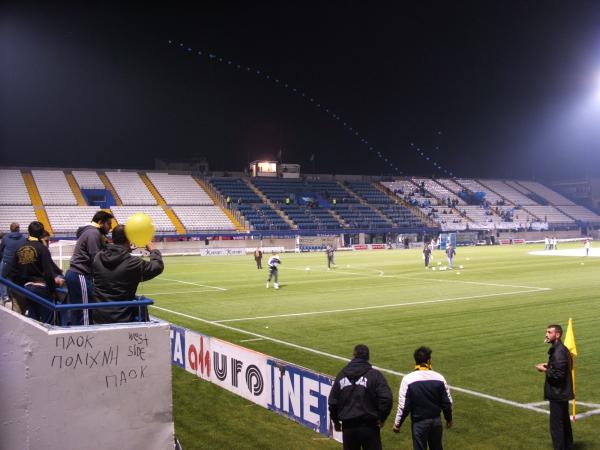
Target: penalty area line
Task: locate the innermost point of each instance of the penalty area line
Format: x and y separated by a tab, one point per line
193	284
341	358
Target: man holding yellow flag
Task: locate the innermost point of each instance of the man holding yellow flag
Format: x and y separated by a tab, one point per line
558	388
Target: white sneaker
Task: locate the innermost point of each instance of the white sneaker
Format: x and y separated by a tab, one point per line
267	285
276	285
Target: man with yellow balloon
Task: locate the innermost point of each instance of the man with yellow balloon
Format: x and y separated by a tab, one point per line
117	273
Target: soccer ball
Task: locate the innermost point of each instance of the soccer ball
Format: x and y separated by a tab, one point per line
433	268
308	268
461	267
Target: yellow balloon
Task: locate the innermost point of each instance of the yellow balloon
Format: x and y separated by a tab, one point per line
139	229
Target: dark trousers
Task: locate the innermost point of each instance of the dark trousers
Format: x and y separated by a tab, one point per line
330	261
560	425
37	311
258	263
80	291
427	432
365	437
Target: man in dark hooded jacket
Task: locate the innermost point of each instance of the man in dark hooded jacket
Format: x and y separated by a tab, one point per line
91	239
117	274
558	388
8	246
360	401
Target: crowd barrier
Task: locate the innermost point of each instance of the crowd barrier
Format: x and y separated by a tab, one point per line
295	392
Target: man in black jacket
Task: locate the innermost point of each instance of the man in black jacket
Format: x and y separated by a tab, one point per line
91	239
8	246
424	394
32	268
558	388
117	274
360	401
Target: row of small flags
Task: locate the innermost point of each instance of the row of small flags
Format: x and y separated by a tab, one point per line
353	131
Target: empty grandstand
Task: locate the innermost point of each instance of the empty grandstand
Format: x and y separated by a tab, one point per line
14	191
130	188
53	187
179	189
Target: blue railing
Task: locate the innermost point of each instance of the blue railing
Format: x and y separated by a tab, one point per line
58	307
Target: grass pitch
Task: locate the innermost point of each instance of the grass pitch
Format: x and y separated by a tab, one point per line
485	324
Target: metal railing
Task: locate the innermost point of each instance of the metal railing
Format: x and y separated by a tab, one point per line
59	307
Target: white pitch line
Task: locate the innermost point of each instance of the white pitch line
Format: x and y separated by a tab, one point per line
149	294
440	280
252	340
341	358
363	308
193	284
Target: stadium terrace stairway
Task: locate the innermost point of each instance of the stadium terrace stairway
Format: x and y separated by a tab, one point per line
161	202
266	200
36	200
109	187
75	188
219	201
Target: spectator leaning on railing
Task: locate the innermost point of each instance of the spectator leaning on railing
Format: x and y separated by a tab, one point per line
116	275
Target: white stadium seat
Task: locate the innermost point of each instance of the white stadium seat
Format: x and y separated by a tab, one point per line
12	188
179	189
130	188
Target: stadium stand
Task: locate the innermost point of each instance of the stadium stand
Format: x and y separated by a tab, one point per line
67	219
409	192
262	217
130	188
88	179
203	218
450	184
437	190
53	187
474	186
14	191
179	189
550	214
23	215
161	221
580	213
235	189
507	192
549	195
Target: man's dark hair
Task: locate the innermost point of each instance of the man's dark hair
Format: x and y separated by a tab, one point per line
36	229
14	227
102	216
361	351
422	355
557	328
118	235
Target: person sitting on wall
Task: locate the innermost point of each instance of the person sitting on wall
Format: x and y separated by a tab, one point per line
117	274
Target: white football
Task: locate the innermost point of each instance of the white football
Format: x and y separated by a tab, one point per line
433	268
457	273
461	267
308	268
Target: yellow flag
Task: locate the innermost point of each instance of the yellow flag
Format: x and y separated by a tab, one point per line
570	339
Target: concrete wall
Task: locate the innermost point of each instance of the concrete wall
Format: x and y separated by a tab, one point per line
540	235
103	387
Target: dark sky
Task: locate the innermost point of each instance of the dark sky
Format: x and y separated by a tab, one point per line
483	88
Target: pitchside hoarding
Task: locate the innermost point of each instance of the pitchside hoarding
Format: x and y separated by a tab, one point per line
289	390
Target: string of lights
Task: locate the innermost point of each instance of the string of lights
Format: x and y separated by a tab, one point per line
311	100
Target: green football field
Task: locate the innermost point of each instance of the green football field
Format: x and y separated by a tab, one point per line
485	324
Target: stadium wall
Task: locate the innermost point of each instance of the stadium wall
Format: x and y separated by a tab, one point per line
289	390
97	387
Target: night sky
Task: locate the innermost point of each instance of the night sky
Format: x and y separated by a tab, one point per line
482	88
